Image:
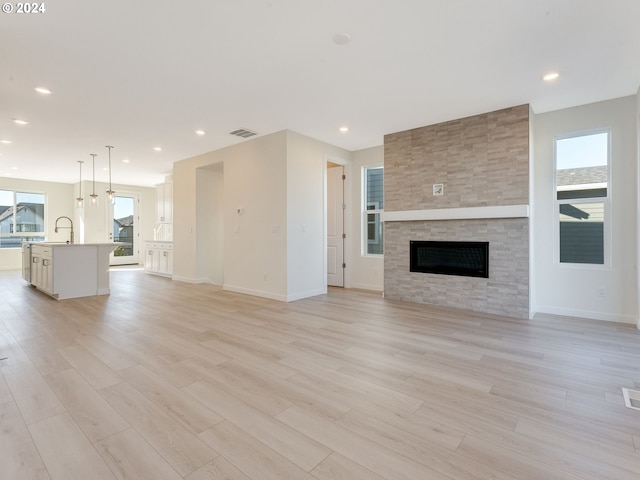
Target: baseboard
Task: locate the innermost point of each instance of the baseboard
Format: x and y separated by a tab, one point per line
185	279
604	316
310	293
255	293
365	286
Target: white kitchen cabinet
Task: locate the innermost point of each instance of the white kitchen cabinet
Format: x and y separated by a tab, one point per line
164	198
26	261
159	258
41	271
68	270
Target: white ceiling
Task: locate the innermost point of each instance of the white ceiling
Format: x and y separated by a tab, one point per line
145	73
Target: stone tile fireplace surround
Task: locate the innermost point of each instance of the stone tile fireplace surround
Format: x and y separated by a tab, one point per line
482	163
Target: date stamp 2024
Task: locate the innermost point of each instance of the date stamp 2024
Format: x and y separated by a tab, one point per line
24	8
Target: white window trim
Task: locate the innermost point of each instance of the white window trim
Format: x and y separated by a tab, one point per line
606	201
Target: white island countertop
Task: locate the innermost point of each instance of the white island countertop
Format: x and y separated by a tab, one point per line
69	270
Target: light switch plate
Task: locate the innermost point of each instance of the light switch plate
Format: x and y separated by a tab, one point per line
438	189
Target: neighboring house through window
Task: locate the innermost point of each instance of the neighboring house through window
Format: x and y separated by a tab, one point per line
21	218
582	197
373	182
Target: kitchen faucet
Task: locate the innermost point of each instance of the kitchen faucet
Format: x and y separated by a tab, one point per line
71	227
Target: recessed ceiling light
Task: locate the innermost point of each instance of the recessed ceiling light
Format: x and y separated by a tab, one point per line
17	121
550	76
344	129
341	38
43	90
14	167
200	132
126	160
157	149
6	142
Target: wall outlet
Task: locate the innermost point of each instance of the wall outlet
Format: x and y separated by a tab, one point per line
602	292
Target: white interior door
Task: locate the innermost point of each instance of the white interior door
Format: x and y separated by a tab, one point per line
123	228
335	226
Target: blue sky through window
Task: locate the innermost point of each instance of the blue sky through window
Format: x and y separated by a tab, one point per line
583	151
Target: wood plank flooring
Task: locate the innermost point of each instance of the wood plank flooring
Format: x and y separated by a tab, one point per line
163	380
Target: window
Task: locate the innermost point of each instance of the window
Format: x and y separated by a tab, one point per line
373	181
582	195
21	218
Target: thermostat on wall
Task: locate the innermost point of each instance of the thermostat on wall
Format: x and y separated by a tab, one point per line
438	189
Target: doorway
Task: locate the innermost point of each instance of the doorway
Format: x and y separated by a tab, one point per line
123	228
335	225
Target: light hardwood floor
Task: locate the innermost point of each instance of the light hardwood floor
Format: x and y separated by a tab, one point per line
163	380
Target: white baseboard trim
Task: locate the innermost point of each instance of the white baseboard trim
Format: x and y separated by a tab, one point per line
185	279
307	294
592	315
365	286
255	293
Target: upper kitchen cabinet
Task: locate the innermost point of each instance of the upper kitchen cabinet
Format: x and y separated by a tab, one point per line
164	195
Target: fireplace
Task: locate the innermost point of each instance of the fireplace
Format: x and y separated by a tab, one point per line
469	259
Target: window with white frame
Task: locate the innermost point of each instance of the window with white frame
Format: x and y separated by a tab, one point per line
373	206
582	197
21	218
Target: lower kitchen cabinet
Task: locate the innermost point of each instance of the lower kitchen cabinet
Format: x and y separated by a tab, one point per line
158	258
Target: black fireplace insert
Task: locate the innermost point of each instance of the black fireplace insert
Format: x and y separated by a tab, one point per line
470	259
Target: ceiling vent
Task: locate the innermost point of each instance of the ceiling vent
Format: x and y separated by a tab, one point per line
243	132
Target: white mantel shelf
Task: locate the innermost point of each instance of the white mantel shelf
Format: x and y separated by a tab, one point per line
468	213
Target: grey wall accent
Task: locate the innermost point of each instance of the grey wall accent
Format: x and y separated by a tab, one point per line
482	161
505	292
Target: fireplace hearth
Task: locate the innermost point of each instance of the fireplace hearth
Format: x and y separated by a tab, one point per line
469	259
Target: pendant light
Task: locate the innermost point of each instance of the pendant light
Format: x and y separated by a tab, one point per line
94	196
110	192
79	199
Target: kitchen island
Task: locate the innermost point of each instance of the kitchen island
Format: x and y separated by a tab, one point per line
67	270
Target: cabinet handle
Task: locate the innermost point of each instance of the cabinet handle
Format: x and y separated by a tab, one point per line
45	262
34	259
165	254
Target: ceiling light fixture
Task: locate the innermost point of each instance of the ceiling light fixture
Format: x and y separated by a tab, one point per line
110	192
157	149
43	90
94	195
17	121
344	129
126	160
550	76
200	132
6	142
79	199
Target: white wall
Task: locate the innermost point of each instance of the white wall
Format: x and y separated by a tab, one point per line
366	272
567	290
254	238
306	233
274	237
210	230
638	195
